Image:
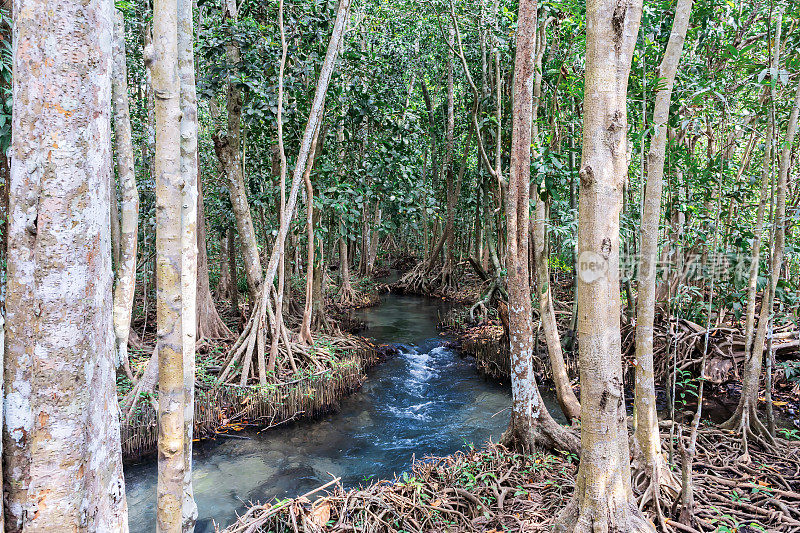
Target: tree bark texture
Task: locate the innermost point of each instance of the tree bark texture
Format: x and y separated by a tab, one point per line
169	267
603	498
189	169
129	226
63	461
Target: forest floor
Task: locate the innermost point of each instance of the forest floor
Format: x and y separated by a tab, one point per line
492	490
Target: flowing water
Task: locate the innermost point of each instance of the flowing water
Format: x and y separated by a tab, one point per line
426	400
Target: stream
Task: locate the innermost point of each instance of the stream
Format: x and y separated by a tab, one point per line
427	400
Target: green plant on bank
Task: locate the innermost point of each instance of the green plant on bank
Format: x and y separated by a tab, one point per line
725	520
789	433
791	369
686	386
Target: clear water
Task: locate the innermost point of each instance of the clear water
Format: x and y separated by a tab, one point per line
427	400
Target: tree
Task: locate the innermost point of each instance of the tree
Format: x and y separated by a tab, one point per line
129	227
63	463
254	329
189	174
209	323
308	310
647	437
745	418
531	424
229	152
603	497
172	401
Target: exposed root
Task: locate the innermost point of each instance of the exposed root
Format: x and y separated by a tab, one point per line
655	483
495	489
416	281
544	434
746	424
481	305
602	516
246	361
489	490
350	297
354	299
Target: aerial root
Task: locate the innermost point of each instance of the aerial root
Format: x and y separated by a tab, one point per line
415	281
483	302
750	429
247	359
660	488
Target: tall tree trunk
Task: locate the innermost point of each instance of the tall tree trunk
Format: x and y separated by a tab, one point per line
320	321
279	247
224	284
169	267
531	424
746	416
305	327
603	497
258	321
228	149
129	230
190	177
209	323
62	453
566	396
648	459
449	230
345	294
234	272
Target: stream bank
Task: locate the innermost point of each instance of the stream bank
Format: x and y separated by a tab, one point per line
494	489
220	408
427	399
